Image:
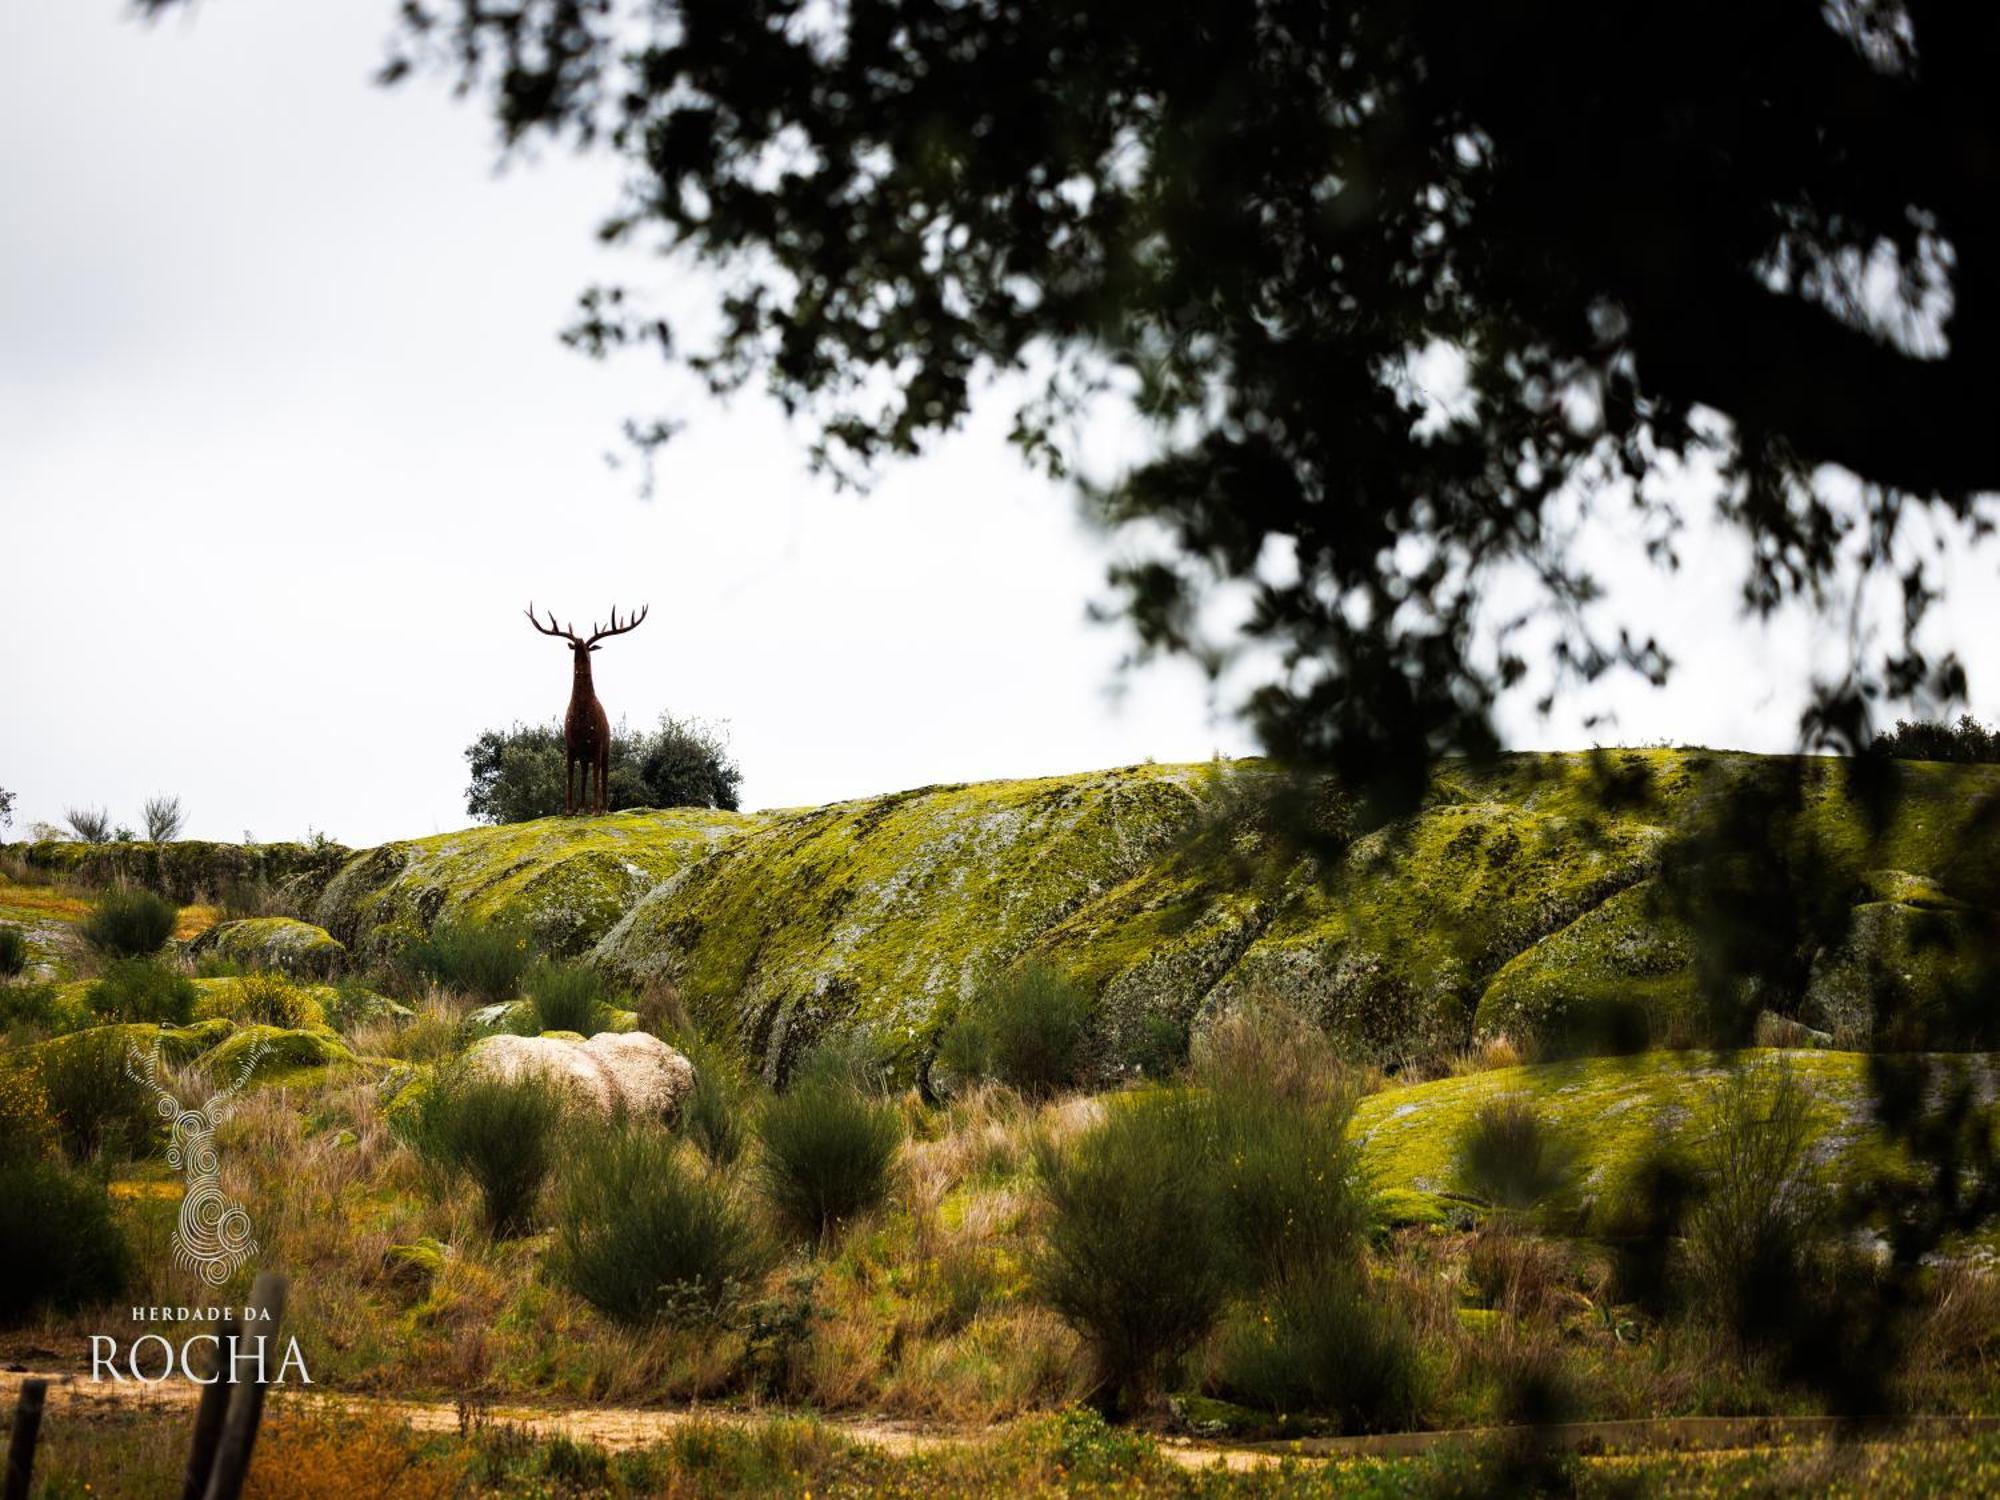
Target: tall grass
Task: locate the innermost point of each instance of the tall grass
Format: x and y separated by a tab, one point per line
501	1134
484	959
1508	1156
644	1235
1324	1341
718	1114
568	997
13	951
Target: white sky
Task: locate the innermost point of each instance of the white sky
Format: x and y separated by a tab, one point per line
287	441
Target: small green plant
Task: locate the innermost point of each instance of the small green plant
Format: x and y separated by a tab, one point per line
645	1236
1323	1341
500	1133
1136	1256
1290	1177
1029	1028
482	959
130	923
828	1150
59	1247
568	997
13	951
99	1108
1508	1158
138	989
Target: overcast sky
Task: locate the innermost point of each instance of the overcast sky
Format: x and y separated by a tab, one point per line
287	442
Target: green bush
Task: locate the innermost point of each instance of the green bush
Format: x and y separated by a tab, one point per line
717	1113
503	1135
1508	1158
1029	1028
59	1247
27	1130
1323	1341
1137	1250
1291	1180
130	923
138	989
517	772
568	997
27	1004
13	951
273	1000
100	1109
1758	1225
828	1150
486	960
644	1236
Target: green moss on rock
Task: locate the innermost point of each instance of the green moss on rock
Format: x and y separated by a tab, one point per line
567	879
283	943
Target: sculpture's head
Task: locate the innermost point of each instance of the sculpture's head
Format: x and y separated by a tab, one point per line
581	646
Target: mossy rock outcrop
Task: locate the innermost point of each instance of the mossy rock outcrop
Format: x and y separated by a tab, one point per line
885	913
189	870
567	880
219	1045
283	943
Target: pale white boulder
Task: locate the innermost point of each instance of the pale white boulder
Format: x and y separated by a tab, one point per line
632	1070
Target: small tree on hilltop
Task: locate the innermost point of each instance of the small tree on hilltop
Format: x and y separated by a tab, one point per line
517	772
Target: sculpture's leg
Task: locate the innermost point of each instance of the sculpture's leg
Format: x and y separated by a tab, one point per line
569	782
603	776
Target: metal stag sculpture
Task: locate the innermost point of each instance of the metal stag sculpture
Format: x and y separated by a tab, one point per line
586	730
213	1238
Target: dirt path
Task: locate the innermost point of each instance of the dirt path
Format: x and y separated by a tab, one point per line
618	1428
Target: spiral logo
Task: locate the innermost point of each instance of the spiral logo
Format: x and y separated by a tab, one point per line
213	1238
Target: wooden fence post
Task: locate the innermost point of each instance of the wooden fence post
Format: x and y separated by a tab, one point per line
21	1445
208	1415
246	1400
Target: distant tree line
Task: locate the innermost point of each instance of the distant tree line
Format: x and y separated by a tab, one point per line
517	772
1932	739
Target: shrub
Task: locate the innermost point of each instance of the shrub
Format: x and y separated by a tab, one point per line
91	824
1507	1157
644	1236
13	951
27	1004
1290	1178
1755	1228
568	997
502	1134
1136	1256
828	1149
99	1108
163	818
130	923
716	1114
137	989
1929	739
1027	1028
487	960
1266	1043
273	1000
27	1130
1323	1341
58	1245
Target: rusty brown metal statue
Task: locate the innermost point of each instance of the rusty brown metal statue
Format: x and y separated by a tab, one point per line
586	730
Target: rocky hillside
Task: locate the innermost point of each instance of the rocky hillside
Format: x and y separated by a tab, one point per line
1518	894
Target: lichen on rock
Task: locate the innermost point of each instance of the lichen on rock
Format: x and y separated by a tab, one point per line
284	943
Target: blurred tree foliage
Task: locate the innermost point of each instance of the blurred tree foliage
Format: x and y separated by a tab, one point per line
1757	241
517	772
1928	739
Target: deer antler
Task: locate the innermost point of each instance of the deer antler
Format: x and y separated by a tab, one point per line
552	628
150	1079
598	634
217	1107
